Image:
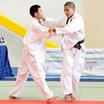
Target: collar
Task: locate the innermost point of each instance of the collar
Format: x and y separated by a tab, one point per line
73	17
34	19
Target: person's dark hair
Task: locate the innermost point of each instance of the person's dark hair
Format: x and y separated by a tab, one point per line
70	4
34	9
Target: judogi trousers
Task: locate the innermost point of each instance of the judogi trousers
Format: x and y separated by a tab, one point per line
72	69
28	64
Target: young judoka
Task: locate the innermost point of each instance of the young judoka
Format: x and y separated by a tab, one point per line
33	57
72	32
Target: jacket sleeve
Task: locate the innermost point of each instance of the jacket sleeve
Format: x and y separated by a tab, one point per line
51	22
41	31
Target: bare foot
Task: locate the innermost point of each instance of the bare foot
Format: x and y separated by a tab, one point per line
12	97
69	96
52	99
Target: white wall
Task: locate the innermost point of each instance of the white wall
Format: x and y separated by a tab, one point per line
18	10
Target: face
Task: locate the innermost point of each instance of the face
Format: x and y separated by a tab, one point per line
69	11
39	15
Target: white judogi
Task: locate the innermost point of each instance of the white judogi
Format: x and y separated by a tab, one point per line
73	58
32	59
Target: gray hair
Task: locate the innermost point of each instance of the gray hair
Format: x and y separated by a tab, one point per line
70	4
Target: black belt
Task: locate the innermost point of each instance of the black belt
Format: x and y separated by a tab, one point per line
78	44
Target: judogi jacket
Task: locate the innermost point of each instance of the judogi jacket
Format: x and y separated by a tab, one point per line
72	33
35	40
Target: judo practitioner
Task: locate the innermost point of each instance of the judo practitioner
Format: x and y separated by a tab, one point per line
72	44
33	57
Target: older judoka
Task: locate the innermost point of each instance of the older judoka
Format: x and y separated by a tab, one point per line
72	44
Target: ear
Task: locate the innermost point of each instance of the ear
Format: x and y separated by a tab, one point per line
35	14
74	9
